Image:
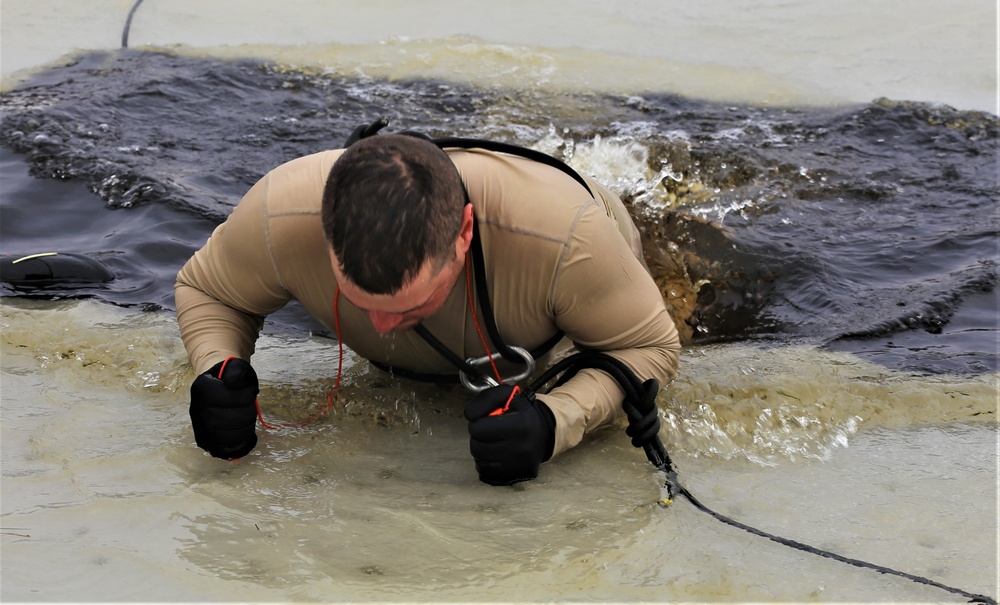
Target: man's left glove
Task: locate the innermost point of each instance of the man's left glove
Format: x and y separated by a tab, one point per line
224	409
511	432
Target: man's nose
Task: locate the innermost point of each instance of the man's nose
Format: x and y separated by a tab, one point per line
384	322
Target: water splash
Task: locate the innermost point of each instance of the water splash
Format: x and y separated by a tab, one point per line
793	403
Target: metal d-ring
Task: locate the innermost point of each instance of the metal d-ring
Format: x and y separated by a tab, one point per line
485	380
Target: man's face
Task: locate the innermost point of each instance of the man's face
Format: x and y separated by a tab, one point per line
422	297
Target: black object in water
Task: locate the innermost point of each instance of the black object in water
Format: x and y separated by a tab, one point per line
47	269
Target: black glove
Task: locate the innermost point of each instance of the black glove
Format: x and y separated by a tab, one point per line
511	434
224	411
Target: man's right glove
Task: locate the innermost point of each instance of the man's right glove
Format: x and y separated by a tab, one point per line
224	409
511	432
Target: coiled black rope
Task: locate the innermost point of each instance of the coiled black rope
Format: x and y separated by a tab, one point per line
128	23
644	426
639	403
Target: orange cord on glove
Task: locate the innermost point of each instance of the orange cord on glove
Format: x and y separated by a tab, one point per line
506	406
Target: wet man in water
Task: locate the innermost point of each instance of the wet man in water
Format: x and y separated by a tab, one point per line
411	253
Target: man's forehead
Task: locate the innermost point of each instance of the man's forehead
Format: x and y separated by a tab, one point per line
412	296
400	303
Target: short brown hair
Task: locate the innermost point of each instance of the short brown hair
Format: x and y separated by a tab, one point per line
391	203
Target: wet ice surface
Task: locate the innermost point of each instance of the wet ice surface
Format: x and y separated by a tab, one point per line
379	500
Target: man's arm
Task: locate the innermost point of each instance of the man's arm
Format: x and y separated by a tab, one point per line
605	299
227	288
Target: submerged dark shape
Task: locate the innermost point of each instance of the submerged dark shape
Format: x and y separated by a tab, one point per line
47	269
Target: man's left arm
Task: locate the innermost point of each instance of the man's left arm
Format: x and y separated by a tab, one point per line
605	300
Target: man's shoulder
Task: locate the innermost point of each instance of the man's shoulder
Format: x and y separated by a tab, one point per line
296	187
519	195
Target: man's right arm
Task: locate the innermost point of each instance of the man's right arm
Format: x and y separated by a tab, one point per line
227	288
222	295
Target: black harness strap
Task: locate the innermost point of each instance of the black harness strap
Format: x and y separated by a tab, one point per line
479	270
478	258
411	375
524	152
445	352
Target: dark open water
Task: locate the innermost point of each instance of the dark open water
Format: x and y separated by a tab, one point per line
870	229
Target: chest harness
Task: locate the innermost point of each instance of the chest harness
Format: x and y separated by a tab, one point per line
639	403
470	371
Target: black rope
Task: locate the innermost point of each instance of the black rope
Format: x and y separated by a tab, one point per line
644	425
444	351
366	130
639	403
973	598
128	23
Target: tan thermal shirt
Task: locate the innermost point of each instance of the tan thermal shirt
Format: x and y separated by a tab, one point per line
555	259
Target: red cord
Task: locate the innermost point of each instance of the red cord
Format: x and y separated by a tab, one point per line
331	393
225	362
475	320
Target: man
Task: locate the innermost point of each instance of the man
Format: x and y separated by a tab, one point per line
377	242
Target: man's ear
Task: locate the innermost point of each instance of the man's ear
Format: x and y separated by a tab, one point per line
464	241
